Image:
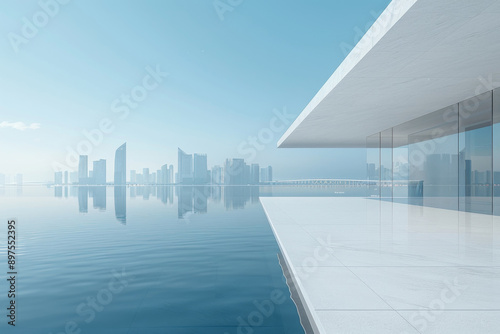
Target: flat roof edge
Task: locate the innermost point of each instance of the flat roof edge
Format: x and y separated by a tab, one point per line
389	17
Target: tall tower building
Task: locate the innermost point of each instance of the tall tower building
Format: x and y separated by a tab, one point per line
171	176
185	166
145	176
200	168
121	165
254	174
164	175
58	178
99	169
83	169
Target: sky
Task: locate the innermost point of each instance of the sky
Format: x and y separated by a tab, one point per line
225	78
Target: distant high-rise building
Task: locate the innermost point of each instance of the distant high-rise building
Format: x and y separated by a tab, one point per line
235	171
19	179
121	165
266	174
185	167
152	178
159	176
2	179
83	171
99	172
200	168
164	175
140	179
66	179
73	177
145	175
171	176
58	178
133	177
254	174
216	175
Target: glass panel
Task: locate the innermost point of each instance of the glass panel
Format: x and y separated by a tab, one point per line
400	166
496	151
475	157
386	164
373	164
433	159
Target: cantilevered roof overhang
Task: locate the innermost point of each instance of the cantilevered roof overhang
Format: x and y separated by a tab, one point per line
418	57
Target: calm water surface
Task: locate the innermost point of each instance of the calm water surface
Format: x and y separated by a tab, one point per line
146	260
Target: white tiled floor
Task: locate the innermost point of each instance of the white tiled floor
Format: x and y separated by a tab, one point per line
367	266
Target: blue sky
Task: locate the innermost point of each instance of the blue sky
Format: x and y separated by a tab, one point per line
226	80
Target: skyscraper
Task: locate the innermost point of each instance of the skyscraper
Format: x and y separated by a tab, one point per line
83	169
200	168
266	174
171	177
99	172
58	177
159	176
254	174
263	175
269	174
216	175
133	176
164	175
121	165
235	171
73	177
66	180
145	175
185	167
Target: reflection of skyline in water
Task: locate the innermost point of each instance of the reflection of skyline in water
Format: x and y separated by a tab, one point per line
189	199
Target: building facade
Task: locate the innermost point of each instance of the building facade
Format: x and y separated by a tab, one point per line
120	174
449	158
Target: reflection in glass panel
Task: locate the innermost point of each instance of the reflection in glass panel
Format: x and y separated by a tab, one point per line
475	154
386	164
373	164
400	167
496	152
433	159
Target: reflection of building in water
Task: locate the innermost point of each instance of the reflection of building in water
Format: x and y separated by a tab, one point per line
99	197
200	198
121	204
216	194
83	199
58	191
184	201
190	199
237	197
145	191
165	194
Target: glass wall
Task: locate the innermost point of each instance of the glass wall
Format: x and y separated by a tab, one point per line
433	147
400	166
449	158
496	152
386	164
373	164
476	154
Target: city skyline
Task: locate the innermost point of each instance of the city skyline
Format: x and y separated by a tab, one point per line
192	170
